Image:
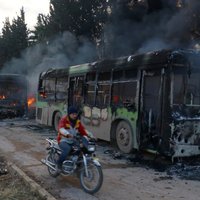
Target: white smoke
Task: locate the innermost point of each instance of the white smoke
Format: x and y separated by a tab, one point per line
63	51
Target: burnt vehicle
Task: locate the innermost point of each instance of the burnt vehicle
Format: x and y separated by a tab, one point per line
13	95
169	106
147	101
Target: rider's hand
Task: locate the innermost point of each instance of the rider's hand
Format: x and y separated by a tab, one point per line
70	136
86	137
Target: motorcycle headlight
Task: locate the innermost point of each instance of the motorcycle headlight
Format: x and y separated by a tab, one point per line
91	148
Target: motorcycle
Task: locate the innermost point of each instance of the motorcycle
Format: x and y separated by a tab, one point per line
81	160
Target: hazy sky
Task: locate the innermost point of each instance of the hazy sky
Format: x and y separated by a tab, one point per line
11	8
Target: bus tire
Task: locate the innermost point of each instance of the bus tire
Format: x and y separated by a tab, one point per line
124	137
57	118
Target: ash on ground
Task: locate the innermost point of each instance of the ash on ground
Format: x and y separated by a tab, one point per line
188	169
185	171
3	166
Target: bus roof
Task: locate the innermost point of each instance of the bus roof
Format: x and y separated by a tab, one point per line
155	59
13	77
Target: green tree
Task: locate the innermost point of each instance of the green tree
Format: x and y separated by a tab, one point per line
40	33
82	18
5	43
19	34
14	38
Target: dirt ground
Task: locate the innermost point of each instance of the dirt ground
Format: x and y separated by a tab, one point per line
12	186
22	142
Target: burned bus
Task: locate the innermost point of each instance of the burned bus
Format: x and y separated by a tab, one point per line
13	95
145	102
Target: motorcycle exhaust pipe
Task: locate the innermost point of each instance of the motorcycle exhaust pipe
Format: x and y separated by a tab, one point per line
48	163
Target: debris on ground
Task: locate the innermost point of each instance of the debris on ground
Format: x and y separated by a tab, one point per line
114	154
3	166
185	171
12	186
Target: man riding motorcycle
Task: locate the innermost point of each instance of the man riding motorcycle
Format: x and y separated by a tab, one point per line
75	155
68	127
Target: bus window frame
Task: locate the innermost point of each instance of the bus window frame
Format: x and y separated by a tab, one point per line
91	83
187	96
74	89
124	79
103	82
67	81
43	94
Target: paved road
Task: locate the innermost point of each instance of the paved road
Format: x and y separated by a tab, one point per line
23	142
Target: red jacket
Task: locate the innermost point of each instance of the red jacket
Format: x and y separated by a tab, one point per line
65	123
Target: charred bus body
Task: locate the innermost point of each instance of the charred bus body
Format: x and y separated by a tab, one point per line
169	103
148	101
13	95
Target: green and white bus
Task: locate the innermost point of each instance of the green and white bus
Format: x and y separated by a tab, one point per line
147	101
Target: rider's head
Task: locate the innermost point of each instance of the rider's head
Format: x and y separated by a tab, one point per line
72	113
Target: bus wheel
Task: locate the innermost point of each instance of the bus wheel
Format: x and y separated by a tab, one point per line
124	137
57	118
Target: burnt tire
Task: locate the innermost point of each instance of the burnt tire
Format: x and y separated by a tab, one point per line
124	137
57	118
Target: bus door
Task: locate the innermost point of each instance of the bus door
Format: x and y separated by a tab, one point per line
76	88
46	100
150	108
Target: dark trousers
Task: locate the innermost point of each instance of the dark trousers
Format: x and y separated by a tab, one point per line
66	148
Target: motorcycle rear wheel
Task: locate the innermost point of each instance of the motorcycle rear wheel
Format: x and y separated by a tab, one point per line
51	158
93	182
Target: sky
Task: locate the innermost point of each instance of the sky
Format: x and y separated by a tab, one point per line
11	9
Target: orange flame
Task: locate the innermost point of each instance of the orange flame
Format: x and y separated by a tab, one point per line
2	97
31	101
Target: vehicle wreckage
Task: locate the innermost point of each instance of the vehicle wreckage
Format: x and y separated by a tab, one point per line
13	95
146	101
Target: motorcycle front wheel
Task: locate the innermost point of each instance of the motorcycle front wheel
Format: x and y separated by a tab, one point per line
91	183
51	158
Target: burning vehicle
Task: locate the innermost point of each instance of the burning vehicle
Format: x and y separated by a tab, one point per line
147	101
169	103
13	96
